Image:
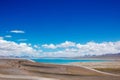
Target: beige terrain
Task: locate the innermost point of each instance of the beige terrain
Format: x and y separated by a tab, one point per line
18	69
112	66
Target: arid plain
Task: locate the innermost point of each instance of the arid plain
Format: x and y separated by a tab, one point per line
19	69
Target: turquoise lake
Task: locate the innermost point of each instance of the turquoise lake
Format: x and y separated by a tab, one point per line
65	61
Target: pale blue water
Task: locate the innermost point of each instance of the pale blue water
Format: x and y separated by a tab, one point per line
64	61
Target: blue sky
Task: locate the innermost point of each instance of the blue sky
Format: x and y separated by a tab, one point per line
57	21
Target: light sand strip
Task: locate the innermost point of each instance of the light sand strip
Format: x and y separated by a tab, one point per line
104	73
25	77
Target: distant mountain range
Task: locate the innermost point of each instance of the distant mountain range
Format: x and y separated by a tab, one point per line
106	56
117	55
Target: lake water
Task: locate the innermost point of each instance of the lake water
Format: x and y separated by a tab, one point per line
65	61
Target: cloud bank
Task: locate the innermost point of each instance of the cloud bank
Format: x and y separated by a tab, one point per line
70	49
65	49
10	48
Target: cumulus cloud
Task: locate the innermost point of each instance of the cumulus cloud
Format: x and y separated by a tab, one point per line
65	49
51	46
77	49
17	31
36	46
65	44
92	48
10	48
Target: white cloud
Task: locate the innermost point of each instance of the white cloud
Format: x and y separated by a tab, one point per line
36	46
22	40
92	48
51	46
61	53
65	44
76	49
10	48
17	31
65	49
8	36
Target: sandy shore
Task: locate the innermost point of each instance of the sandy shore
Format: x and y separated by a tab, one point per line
17	69
110	66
